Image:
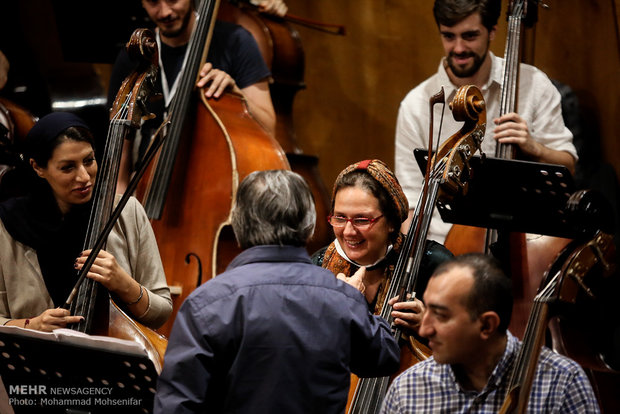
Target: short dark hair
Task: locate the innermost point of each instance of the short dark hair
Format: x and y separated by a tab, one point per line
491	291
273	207
450	12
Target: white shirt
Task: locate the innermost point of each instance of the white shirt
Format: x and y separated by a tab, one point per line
538	103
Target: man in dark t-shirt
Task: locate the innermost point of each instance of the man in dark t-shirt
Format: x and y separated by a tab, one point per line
234	62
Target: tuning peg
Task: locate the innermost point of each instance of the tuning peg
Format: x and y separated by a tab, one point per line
542	4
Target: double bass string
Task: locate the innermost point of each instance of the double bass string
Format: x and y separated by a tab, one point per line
517	392
508	100
179	106
108	173
370	391
106	176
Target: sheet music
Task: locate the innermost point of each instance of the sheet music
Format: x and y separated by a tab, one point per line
79	338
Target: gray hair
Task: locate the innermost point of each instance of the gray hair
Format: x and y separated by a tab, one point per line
273	207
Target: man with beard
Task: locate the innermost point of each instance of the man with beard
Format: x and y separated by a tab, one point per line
467	28
234	63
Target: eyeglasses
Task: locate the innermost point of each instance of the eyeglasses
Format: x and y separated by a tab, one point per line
357	222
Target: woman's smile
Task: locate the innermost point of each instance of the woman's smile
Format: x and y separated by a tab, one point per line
364	246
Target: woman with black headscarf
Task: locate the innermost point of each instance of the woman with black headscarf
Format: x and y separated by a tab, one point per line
42	236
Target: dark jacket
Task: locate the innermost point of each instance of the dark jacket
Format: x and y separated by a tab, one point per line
273	334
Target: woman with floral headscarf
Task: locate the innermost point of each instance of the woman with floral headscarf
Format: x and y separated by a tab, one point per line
367	210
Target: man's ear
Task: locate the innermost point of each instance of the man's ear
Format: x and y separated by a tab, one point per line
489	321
492	33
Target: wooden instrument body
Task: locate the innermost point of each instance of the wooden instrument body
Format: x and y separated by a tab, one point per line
586	331
224	144
411	353
531	256
570	299
122	326
188	191
282	50
18	121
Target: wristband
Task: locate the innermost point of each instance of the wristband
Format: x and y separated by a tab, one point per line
137	300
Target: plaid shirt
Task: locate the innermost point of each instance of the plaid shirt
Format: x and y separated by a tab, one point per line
560	386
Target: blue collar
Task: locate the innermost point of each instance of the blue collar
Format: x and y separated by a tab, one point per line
270	253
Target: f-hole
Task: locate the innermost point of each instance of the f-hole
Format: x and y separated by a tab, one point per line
187	260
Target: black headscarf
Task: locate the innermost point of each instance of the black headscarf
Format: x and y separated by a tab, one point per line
36	220
47	129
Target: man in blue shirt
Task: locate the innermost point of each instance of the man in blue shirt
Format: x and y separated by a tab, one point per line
468	308
274	333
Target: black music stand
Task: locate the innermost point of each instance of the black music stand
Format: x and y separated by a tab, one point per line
76	376
513	195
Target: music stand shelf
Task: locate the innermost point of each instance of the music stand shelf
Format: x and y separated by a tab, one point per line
513	195
53	376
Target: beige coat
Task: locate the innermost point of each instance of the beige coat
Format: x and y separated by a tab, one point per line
23	293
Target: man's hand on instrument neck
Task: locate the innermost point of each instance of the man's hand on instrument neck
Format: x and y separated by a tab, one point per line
512	129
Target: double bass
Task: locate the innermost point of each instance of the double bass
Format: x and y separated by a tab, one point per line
15	122
102	316
446	176
526	257
281	47
585	326
210	146
570	300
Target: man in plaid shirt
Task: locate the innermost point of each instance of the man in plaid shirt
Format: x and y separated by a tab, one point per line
468	308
